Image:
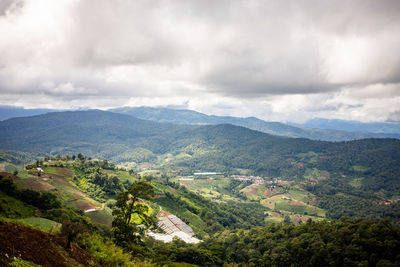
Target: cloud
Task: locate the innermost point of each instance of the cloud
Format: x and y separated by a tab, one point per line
287	60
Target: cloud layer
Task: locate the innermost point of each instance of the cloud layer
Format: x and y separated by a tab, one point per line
278	60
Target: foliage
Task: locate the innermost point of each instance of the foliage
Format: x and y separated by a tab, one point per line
125	230
18	262
206	216
346	242
14	208
105	251
41	200
276	128
70	230
92	178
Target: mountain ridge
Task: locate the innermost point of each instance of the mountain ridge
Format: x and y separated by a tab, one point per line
184	116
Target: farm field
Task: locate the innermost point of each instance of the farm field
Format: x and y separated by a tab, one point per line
57	180
280	199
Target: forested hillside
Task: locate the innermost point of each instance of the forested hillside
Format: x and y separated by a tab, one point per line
190	117
71	198
224	148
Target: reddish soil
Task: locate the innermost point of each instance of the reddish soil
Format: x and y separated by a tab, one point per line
64	172
8	175
163	213
36	184
85	205
172	190
313	201
275	214
159	196
145	166
298	219
296	203
267	193
324	175
250	191
39	247
79	195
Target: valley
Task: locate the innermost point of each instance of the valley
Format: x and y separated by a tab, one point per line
211	184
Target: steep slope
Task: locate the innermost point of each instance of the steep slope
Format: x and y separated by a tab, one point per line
92	132
275	128
39	247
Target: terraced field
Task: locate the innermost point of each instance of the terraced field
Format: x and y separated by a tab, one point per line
280	198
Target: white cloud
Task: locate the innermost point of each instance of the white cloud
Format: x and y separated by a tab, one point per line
277	60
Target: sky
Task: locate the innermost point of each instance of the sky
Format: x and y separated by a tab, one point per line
276	60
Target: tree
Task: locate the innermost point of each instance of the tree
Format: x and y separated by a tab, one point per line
70	230
130	214
81	157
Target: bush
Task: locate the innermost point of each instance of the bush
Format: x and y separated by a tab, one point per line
105	252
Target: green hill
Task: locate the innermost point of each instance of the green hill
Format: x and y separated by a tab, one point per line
225	147
190	117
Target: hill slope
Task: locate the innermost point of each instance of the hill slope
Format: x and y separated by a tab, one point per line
226	148
39	247
276	128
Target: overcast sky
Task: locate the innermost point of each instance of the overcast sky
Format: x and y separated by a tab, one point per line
277	60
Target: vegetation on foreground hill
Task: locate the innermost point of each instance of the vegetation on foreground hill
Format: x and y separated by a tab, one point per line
233	230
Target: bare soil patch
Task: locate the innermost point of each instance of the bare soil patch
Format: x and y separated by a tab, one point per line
296	203
85	205
172	190
275	214
39	247
36	184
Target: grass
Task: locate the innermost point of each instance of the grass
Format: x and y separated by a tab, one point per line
42	223
281	203
25	175
102	217
299	194
356	182
51	170
359	168
18	262
122	175
14	208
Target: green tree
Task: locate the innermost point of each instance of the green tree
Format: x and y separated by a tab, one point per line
70	230
130	215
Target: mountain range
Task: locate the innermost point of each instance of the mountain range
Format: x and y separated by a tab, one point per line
190	117
222	147
311	130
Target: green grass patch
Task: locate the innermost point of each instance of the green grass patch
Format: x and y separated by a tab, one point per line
18	262
25	175
360	168
14	208
102	217
299	194
42	223
122	175
356	182
51	170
